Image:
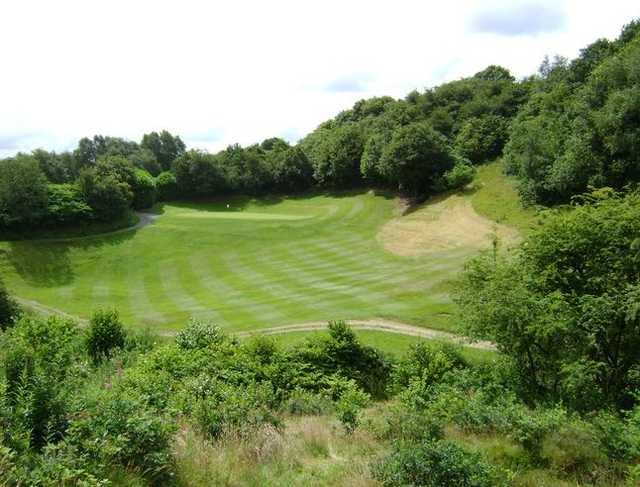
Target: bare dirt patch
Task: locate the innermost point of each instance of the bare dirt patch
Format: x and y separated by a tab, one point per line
443	224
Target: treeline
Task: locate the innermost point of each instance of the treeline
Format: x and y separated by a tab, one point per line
99	181
424	144
572	126
581	125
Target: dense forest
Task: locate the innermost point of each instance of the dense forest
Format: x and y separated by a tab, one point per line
558	405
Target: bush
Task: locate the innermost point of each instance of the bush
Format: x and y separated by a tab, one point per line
341	353
434	463
457	177
144	190
428	362
166	186
105	334
303	402
241	410
9	309
198	334
350	405
122	431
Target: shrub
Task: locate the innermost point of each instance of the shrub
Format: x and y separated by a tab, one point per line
166	186
198	334
122	431
105	334
9	309
341	353
434	463
350	405
225	409
461	174
144	190
308	403
428	362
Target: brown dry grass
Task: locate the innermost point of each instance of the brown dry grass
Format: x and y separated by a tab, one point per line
445	223
310	450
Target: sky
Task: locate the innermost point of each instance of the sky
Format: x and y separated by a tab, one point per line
220	72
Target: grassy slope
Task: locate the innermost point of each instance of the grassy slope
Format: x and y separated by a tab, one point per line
258	263
284	261
495	197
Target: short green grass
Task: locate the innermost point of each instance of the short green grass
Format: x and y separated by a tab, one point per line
495	196
257	263
244	264
392	343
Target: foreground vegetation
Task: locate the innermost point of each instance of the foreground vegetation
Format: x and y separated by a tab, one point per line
558	406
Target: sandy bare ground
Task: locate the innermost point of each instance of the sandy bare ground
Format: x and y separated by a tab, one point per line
377	324
445	224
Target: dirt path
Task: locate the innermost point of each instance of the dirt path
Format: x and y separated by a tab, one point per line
375	325
48	310
388	326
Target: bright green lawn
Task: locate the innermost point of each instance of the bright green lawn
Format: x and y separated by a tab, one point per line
258	263
392	343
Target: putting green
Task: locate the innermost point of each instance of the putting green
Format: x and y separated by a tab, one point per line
259	263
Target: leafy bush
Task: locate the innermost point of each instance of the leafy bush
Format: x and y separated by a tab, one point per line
166	186
434	463
349	406
122	431
40	365
308	403
198	334
144	190
461	174
241	410
9	309
427	362
105	334
341	353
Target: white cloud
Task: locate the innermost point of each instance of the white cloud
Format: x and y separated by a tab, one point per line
240	71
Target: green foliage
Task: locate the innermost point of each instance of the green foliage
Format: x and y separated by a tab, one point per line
580	128
144	190
66	205
240	410
122	431
198	334
565	307
459	176
428	363
415	157
198	174
108	196
165	147
435	463
482	139
23	191
39	365
341	353
105	334
302	402
167	186
9	309
349	406
336	156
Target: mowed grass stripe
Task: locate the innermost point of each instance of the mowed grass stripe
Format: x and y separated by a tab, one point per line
307	258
